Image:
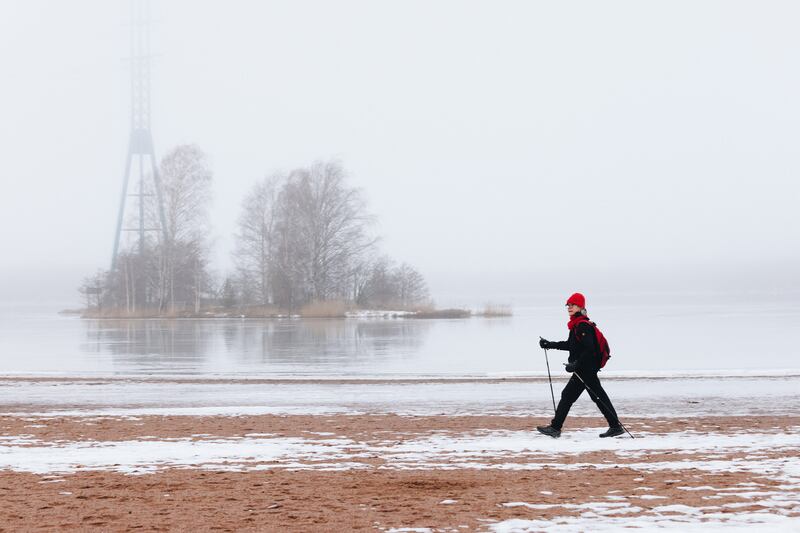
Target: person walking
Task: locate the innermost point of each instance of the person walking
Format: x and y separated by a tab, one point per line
584	364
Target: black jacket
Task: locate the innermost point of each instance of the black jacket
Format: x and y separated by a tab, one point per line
582	346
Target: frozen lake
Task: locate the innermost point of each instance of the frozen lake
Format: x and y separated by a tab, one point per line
699	338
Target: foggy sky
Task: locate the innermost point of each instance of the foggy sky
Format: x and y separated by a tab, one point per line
504	146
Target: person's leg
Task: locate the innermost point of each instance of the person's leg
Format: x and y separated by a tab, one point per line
572	390
599	397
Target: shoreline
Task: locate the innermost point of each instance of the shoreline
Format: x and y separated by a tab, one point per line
358	314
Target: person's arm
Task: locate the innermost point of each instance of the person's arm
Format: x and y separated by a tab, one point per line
554	345
559	345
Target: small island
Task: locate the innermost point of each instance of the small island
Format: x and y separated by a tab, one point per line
305	247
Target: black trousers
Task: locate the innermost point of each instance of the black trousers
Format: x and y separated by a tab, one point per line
572	392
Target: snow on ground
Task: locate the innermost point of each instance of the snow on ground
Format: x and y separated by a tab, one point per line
687	522
377	313
770	452
489	449
519	443
760	453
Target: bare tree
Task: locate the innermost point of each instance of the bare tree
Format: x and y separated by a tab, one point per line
256	239
322	233
388	285
183	257
129	287
302	237
227	294
381	289
360	279
305	237
410	285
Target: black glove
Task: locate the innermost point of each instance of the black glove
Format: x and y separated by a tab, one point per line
571	367
544	343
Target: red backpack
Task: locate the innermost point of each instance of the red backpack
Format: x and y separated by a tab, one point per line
602	344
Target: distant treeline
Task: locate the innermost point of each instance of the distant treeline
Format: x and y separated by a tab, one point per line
304	240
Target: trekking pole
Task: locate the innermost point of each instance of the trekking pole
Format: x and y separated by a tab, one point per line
550	379
604	403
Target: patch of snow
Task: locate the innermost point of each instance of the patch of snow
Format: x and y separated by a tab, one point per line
377	313
593	506
685	509
141	456
521	443
729	523
481	450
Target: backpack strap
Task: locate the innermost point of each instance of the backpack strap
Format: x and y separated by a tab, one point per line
594	326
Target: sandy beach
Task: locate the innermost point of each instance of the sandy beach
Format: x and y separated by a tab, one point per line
388	472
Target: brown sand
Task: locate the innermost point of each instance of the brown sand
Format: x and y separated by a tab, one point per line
351	500
367	428
283	500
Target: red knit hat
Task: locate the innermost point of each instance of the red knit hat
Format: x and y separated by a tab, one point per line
577	299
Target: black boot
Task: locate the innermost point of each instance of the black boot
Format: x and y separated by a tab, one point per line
613	431
550	431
